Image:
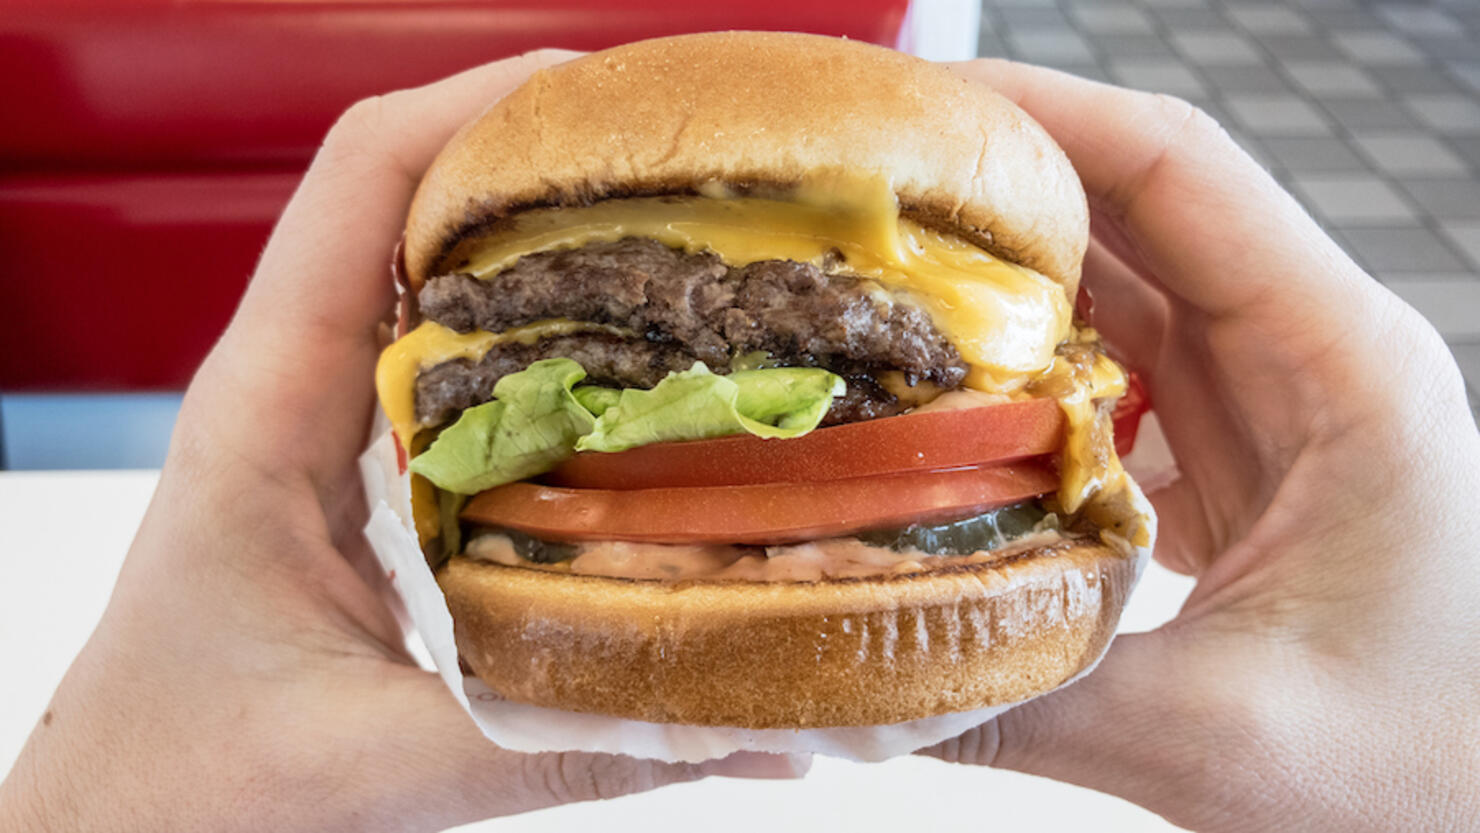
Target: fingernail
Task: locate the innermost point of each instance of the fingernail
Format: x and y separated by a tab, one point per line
758	765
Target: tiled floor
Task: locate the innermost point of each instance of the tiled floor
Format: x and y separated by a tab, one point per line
1368	111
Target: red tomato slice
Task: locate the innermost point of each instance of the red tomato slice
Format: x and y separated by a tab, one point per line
912	442
758	514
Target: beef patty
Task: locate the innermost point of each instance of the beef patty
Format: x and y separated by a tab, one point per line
685	307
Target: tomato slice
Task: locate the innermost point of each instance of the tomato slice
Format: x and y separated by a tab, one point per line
911	442
771	513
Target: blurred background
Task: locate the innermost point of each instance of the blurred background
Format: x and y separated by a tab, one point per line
151	144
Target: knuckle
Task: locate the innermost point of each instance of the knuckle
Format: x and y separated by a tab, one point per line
1181	115
356	125
567	777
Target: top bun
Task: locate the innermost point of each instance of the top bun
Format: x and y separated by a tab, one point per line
749	109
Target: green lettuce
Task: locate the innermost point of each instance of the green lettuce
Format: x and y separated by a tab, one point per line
538	418
696	404
530	426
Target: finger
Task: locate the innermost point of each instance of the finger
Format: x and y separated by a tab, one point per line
463	777
292	375
1211	224
1128	312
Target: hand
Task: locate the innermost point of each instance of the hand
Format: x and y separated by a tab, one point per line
247	674
1323	673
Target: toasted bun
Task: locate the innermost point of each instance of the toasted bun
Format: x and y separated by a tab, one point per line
848	652
753	109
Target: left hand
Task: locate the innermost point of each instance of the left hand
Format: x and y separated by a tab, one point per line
248	673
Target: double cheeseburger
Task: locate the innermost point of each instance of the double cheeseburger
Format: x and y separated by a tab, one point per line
741	386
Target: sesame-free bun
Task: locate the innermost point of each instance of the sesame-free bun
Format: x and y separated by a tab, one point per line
758	109
769	655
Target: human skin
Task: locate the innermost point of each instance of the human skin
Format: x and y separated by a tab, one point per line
247	674
1324	673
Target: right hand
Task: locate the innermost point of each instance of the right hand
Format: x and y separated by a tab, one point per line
1323	674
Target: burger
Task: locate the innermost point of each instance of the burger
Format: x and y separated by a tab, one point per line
740	384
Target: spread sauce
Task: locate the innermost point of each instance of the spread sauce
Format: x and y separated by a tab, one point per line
812	561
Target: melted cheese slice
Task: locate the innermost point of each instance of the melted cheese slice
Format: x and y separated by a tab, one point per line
1088	464
1004	319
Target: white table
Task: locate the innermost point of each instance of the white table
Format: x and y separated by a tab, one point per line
63	536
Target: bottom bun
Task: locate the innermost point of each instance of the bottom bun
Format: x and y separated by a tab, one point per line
783	655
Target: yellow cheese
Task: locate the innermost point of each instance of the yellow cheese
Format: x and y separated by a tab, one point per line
1088	462
431	344
1003	318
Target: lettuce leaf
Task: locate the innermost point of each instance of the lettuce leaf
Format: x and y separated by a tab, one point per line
697	404
539	417
530	426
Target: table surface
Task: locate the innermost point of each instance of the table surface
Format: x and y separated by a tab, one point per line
56	575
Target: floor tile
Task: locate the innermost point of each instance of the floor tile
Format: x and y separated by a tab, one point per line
1419	20
1368	114
1301	48
1457	114
1449	305
1449	198
1376	48
1134	46
1190	19
1248	79
1117	19
1410	80
1277	115
1329	20
1314	155
1216	48
1466	237
1468	147
1047	45
1269	19
1448	48
1468	73
1031	17
1324	78
1405	250
1352	198
1409	153
1158	76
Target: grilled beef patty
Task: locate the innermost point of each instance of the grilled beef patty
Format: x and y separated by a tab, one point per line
686	307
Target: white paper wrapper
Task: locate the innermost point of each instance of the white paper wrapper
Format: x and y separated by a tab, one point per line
527	728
